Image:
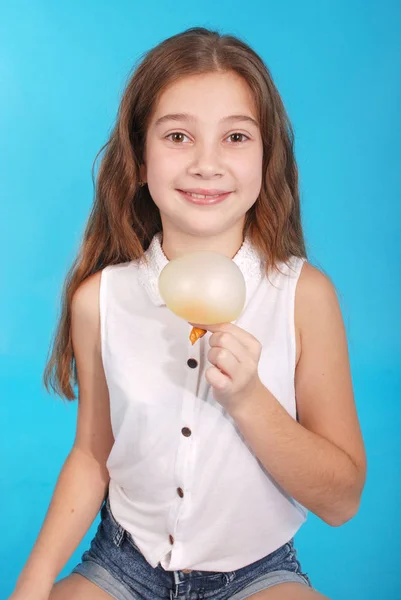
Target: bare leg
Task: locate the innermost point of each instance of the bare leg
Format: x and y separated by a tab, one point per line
77	587
288	591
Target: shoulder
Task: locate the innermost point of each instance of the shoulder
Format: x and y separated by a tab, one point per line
85	319
85	300
316	301
313	287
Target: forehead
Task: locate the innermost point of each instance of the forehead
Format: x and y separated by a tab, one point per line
207	96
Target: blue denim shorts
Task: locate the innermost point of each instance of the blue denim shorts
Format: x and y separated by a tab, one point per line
116	565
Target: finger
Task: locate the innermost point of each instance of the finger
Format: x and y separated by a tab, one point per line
246	338
223	360
228	341
217	379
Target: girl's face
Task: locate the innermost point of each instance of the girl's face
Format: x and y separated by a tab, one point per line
203	136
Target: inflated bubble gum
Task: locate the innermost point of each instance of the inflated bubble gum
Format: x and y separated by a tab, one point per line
203	287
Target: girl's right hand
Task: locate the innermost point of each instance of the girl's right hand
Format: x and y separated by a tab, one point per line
32	586
31	593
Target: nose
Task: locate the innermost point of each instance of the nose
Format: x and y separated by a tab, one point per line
206	161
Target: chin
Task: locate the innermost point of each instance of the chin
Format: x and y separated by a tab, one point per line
203	225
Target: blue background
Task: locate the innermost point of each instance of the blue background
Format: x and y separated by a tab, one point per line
337	65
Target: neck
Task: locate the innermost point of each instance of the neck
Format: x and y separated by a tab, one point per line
178	244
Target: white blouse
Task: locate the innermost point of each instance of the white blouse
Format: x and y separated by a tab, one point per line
183	480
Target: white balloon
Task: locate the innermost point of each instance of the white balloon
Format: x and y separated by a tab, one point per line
203	287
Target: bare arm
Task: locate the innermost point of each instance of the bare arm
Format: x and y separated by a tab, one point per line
83	481
321	460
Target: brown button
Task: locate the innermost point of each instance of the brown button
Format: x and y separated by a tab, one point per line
192	363
171	539
186	431
180	492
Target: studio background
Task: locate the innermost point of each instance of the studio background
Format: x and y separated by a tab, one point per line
337	65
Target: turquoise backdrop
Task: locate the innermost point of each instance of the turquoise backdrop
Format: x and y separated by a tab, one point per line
337	64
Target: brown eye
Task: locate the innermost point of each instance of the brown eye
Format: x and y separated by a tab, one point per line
241	135
176	133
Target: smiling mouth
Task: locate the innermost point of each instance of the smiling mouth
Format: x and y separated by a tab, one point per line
203	199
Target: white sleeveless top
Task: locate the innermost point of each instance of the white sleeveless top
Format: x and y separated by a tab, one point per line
183	480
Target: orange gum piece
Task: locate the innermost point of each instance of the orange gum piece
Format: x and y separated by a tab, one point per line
196	334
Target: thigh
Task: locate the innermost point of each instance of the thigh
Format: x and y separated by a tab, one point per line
288	591
77	587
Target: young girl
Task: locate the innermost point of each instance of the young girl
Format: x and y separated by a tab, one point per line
203	460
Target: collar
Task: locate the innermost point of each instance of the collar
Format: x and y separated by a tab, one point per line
151	264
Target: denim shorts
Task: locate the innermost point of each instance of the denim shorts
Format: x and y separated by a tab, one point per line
116	565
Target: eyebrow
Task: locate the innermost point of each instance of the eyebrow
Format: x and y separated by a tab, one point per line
188	117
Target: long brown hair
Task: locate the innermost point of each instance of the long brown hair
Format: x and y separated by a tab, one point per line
124	217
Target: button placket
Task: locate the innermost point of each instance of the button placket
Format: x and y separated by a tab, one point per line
187	434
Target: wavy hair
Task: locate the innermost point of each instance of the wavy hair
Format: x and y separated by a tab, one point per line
124	217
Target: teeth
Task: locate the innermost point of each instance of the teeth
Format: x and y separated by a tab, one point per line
202	196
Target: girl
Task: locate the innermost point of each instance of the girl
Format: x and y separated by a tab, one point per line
203	460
